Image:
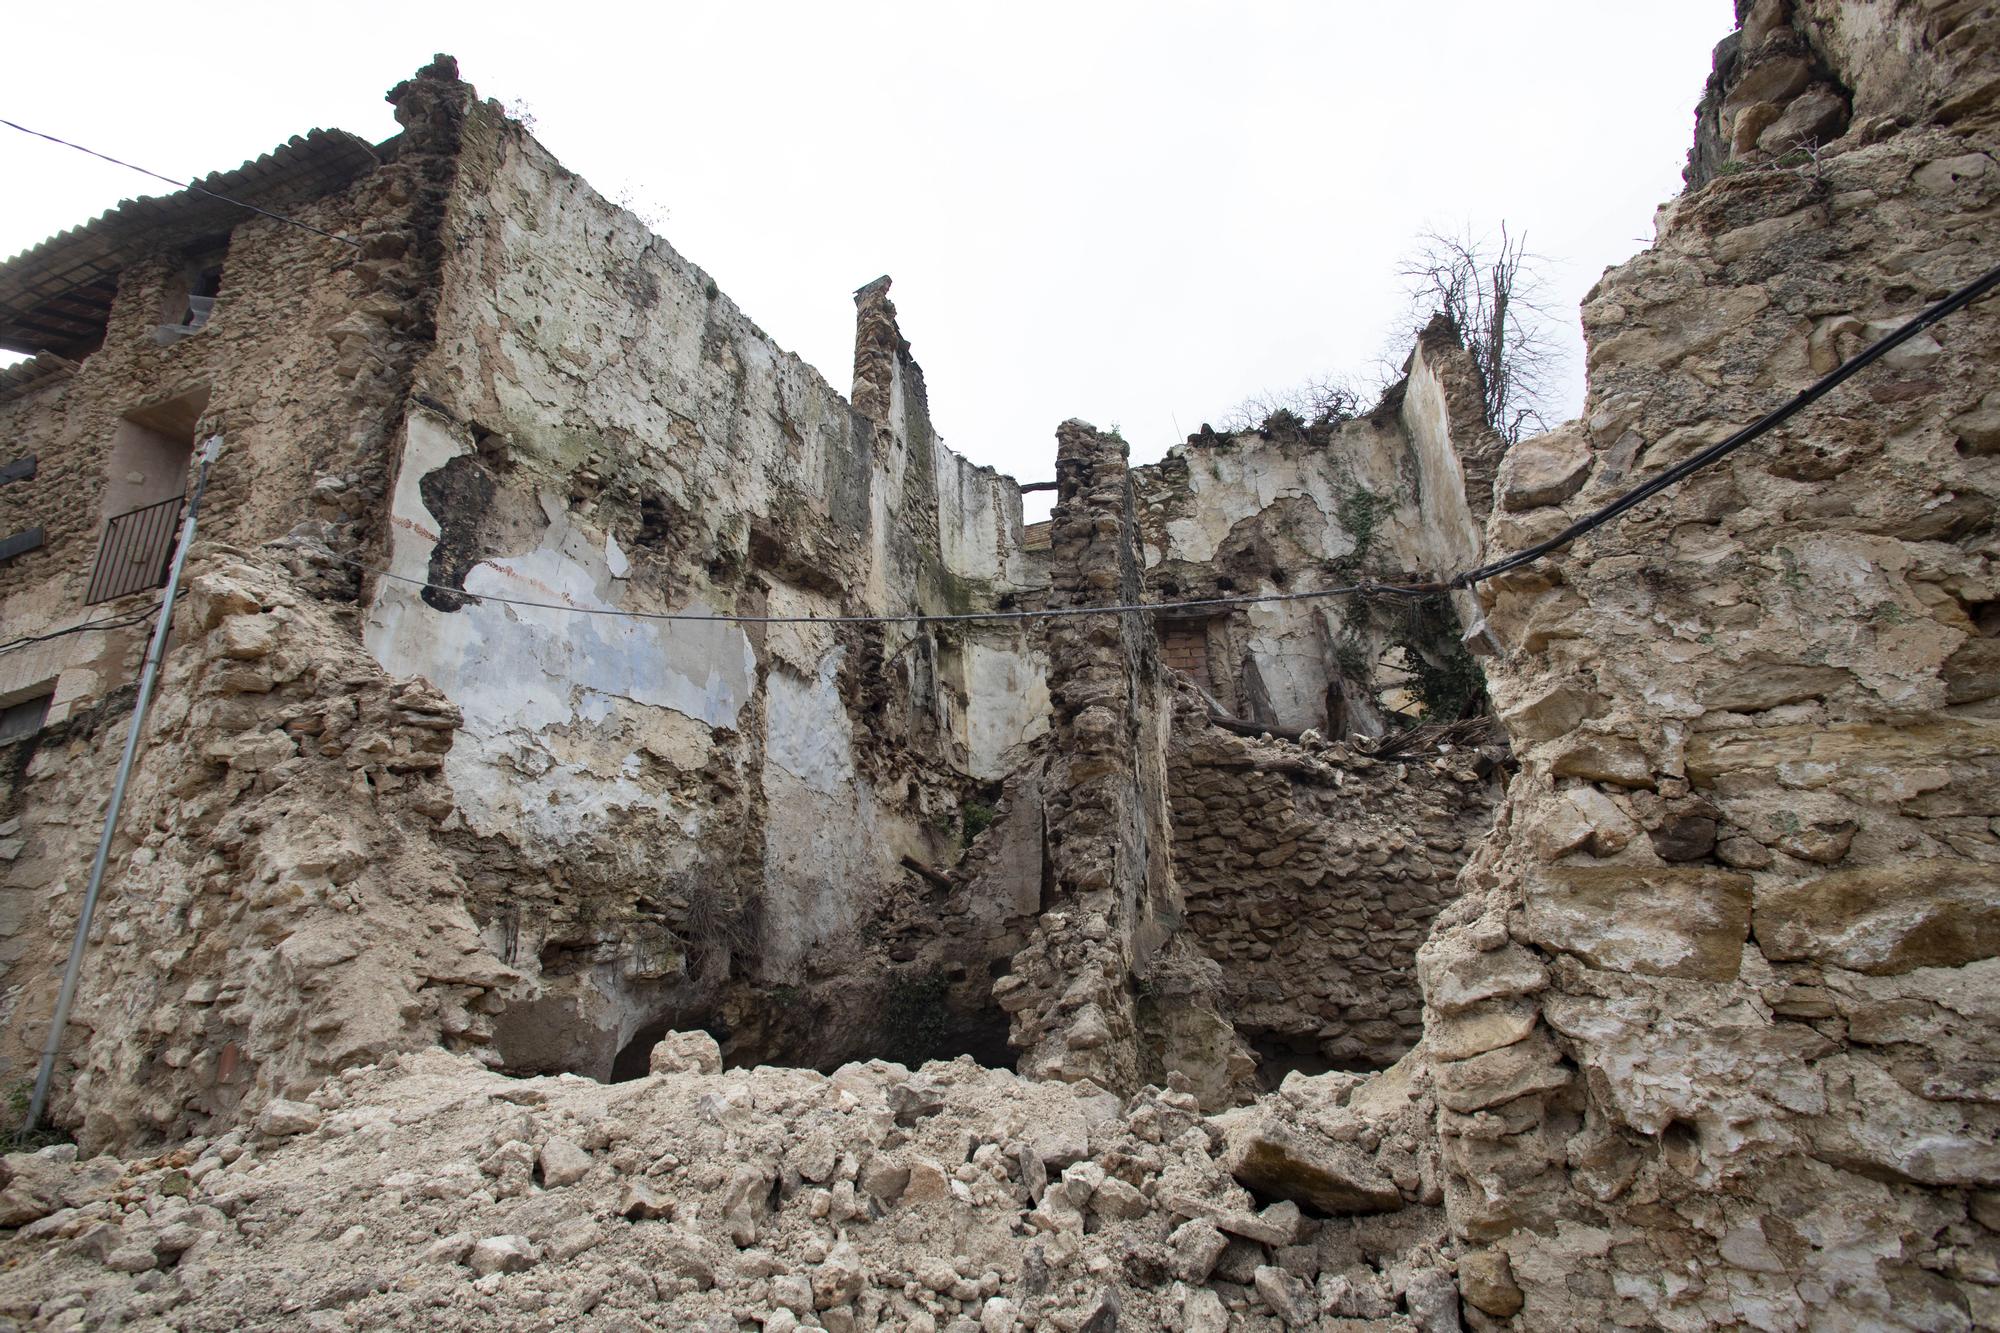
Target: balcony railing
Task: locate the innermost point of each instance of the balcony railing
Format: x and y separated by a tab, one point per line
135	552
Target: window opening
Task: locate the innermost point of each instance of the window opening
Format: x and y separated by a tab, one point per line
145	477
191	296
22	720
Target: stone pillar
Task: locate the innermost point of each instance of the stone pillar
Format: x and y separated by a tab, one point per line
1109	898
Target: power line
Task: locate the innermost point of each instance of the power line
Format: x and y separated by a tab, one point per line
1597	518
902	618
196	186
1957	301
85	628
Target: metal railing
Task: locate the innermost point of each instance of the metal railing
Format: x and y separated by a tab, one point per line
134	553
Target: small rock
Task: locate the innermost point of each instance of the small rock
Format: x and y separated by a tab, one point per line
1102	1315
563	1163
793	1293
1202	1312
1276	1160
502	1254
642	1201
686	1053
1486	1279
450	1249
131	1259
1285	1296
281	1118
1194	1247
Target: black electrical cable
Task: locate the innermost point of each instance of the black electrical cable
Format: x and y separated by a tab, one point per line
85	628
1958	300
196	186
903	618
1597	518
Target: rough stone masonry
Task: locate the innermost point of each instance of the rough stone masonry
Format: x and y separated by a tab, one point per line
466	963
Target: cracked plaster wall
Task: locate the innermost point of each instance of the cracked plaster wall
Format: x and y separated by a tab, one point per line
1289	508
626	438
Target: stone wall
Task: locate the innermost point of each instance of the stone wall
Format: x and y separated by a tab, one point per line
301	371
278	906
1713	1024
689	822
1397	495
1311	875
650	821
1110	901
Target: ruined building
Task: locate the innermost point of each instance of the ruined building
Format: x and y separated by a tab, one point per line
628	833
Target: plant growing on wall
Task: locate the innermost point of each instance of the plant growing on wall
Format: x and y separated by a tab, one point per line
1320	401
1445	677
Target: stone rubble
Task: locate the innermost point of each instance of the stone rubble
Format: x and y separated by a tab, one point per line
430	1190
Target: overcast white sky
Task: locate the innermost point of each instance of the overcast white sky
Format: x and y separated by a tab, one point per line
1134	213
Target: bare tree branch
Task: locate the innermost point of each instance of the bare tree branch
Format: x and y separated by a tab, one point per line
1490	293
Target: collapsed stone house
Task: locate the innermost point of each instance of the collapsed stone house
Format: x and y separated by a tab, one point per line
564	666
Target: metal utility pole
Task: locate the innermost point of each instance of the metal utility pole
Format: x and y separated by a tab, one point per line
148	676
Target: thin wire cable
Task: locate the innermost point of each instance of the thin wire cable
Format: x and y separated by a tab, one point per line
196	186
1597	518
904	618
85	628
1957	301
1963	297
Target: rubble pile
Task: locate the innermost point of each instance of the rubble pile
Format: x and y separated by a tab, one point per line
428	1189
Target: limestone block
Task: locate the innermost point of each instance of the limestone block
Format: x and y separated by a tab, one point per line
281	1118
1194	1247
686	1053
1280	1161
216	595
641	1200
1666	921
1884	919
1547	714
1546	470
1777	78
1500	1076
1453	981
1751	122
245	637
1285	1296
1617	759
563	1163
502	1254
1759	684
1813	756
1814	117
1474	1031
1486	1279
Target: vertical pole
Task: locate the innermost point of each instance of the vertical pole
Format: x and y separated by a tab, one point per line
148	675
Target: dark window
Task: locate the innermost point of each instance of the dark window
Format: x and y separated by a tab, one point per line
192	293
20	543
22	720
